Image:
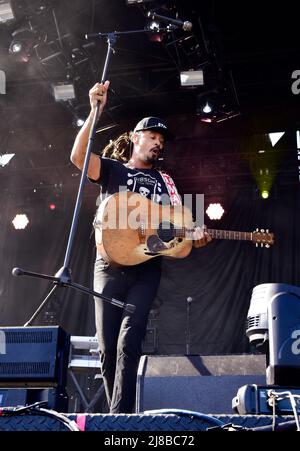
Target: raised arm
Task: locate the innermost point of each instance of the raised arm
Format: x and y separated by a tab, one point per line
97	93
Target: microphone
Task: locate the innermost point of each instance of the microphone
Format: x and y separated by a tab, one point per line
17	272
184	24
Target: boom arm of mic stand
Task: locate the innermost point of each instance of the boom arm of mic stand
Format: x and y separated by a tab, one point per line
167	29
66	282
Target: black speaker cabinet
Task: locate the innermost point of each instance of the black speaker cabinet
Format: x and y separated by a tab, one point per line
205	384
33	356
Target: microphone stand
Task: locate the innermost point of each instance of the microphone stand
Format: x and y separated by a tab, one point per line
63	276
189	301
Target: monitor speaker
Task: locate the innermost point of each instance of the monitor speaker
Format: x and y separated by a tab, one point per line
33	356
205	384
34	366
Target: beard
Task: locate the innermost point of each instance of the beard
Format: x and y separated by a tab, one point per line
153	157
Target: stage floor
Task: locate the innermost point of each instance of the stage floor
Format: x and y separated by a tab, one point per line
53	421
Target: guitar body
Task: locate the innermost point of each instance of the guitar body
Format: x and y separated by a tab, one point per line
130	229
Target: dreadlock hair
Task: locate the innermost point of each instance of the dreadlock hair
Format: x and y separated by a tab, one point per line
119	149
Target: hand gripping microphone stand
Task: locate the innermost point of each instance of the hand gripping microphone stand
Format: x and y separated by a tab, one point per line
63	276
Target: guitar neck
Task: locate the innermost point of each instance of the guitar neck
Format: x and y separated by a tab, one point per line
218	234
230	235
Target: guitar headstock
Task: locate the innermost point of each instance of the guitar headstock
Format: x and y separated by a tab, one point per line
263	237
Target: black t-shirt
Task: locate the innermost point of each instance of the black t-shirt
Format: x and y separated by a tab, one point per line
115	177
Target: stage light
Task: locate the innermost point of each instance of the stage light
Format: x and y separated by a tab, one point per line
273	327
20	221
63	91
215	211
54	204
78	121
192	78
5	159
265	186
154	25
21	46
6	12
207	108
155	34
265	194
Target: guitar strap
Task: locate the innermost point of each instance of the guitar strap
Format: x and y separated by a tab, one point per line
172	190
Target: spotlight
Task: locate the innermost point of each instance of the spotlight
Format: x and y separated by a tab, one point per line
79	122
63	91
215	211
206	106
22	43
20	221
219	103
265	194
155	34
6	12
154	25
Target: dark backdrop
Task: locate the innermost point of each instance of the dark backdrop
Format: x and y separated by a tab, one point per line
219	278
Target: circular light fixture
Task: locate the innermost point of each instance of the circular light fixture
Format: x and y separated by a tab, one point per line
22	43
207	108
265	194
215	211
20	221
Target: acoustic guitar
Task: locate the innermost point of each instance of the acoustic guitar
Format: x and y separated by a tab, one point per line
131	229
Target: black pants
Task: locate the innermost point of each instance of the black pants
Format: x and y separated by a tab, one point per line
120	333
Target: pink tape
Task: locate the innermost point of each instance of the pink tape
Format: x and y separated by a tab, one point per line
81	422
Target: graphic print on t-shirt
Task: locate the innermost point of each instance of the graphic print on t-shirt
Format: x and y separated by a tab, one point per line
144	184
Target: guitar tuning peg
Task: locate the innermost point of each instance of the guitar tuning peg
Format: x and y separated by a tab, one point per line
262	230
261	244
256	244
256	229
267	245
267	230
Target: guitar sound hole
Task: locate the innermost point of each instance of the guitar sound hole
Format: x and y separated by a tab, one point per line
166	231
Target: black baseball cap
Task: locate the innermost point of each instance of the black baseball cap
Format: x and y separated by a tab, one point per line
154	123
